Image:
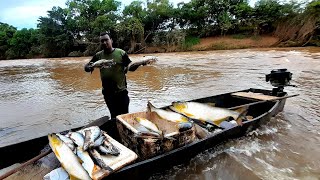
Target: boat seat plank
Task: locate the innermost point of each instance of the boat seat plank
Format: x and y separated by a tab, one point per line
117	162
252	95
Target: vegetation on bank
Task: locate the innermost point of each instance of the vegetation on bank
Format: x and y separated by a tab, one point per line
136	28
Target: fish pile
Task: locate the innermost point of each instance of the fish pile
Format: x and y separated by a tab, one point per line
147	129
80	152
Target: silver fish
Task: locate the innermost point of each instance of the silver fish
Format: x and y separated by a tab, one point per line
66	140
77	138
143	131
149	59
106	150
108	147
90	136
167	115
204	112
97	157
148	124
103	63
99	141
87	162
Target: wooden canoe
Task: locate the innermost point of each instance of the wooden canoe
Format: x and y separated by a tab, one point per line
261	113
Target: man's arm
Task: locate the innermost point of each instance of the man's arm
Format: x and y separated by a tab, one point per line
88	67
127	63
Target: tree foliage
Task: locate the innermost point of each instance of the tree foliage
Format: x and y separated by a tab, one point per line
143	23
6	33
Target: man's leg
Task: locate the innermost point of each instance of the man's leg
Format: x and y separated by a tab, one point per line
122	103
118	103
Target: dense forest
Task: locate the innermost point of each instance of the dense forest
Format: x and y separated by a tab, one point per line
74	30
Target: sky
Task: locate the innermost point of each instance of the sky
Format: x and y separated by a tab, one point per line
25	13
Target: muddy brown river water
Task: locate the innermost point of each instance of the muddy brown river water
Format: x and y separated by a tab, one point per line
39	96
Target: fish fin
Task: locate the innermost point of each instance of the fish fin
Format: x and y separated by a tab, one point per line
73	178
243	112
150	106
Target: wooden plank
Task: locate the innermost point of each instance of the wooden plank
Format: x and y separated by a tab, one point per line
251	95
125	157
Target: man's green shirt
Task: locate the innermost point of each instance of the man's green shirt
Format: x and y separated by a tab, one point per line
114	78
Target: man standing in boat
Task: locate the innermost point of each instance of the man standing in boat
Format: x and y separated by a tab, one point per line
113	77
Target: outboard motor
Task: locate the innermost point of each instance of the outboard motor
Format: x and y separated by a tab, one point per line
279	78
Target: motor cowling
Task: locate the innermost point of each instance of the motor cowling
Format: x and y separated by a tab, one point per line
279	78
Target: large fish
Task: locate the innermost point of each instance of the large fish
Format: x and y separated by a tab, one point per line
99	141
87	162
91	134
149	125
108	147
204	112
77	138
149	59
144	132
167	115
67	141
103	63
98	159
69	161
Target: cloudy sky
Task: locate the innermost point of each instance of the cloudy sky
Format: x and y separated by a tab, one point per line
25	13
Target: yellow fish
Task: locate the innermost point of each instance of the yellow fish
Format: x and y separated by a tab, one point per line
69	161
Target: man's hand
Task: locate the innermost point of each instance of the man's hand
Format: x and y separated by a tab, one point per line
88	67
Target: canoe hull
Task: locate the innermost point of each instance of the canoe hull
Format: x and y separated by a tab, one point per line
144	169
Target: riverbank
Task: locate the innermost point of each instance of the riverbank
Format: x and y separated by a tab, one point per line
220	43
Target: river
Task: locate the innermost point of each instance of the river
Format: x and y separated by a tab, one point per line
39	96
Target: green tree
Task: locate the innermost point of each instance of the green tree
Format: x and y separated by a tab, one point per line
160	14
55	37
193	15
24	44
131	29
266	13
94	16
6	33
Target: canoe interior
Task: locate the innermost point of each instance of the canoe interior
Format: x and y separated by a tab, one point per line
261	113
